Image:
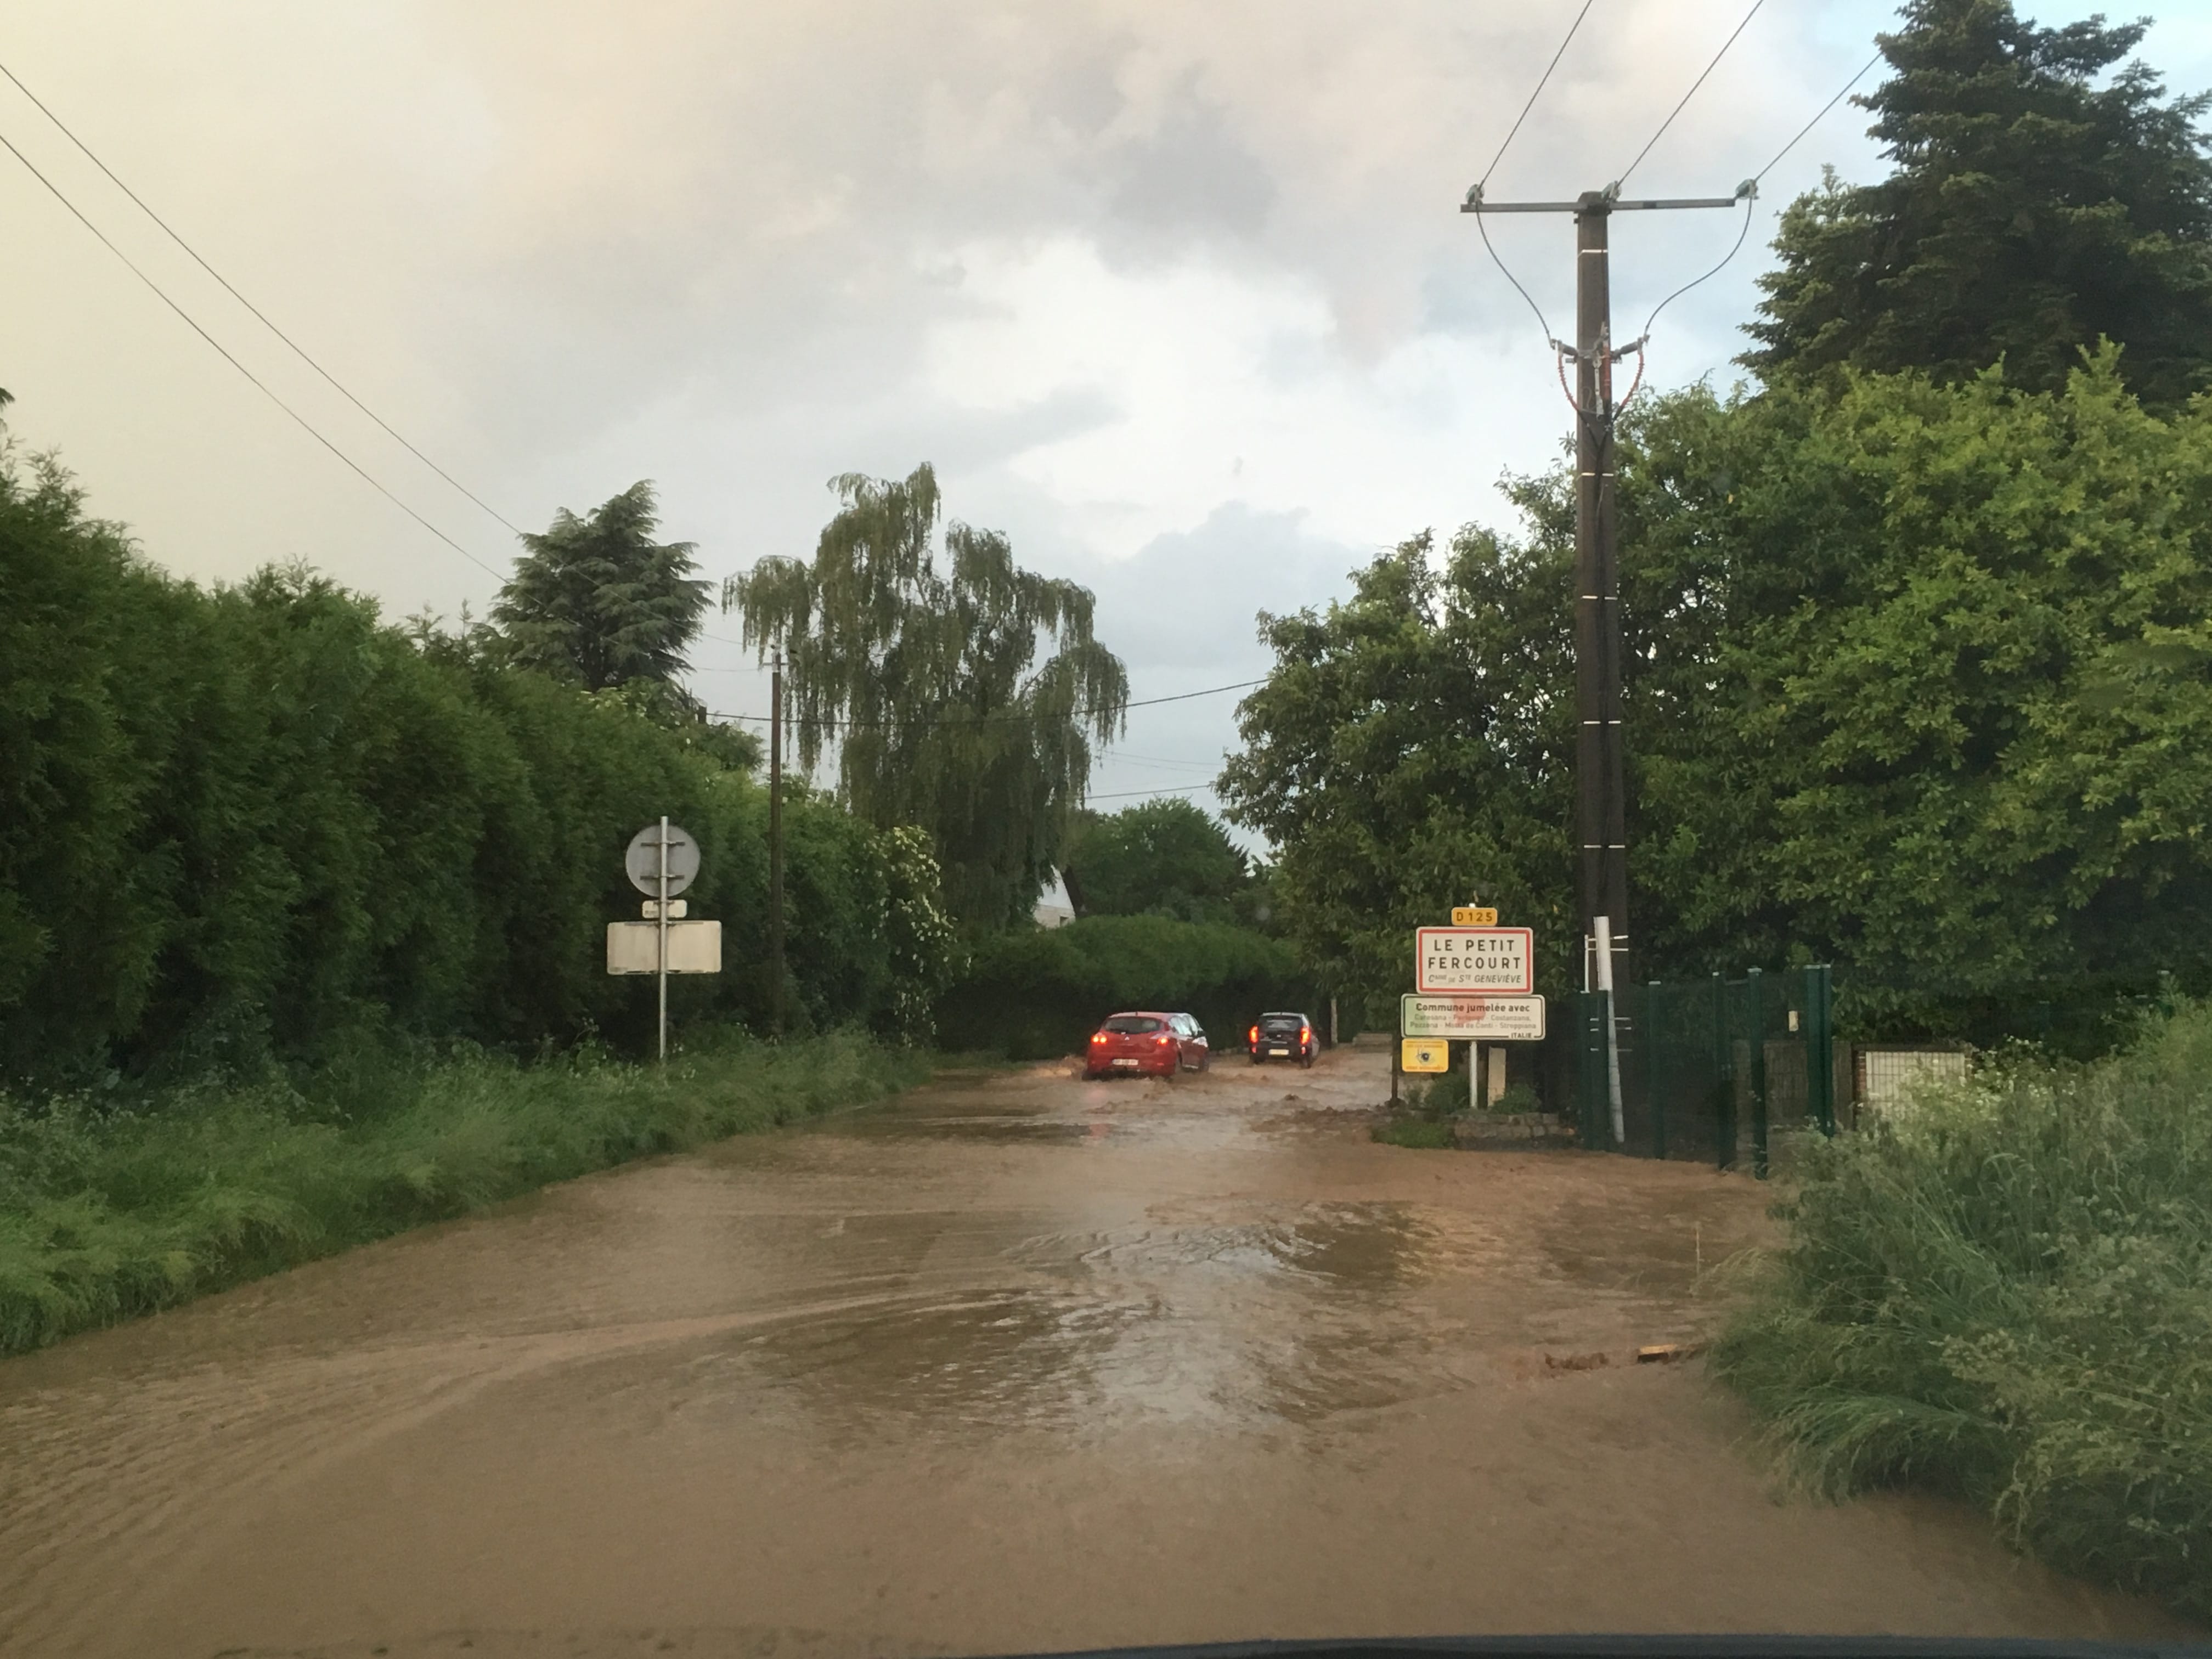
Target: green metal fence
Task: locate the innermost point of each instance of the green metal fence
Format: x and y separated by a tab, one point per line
1708	1069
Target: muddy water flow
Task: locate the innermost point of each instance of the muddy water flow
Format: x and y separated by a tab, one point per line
1018	1362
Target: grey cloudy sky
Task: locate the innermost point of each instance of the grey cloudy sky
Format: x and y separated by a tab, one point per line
1174	292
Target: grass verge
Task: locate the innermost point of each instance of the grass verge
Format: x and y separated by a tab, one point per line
1425	1133
106	1214
2006	1292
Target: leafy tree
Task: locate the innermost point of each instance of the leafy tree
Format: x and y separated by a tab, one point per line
1918	681
1414	747
1947	714
673	709
1166	857
923	952
2032	211
597	603
923	675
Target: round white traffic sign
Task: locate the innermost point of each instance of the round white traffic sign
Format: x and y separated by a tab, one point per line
642	860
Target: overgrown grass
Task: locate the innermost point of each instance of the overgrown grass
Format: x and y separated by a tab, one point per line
107	1214
2006	1292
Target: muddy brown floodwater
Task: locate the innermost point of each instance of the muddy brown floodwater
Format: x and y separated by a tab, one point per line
1014	1363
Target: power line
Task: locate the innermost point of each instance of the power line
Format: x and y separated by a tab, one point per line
296	347
1549	337
1817	120
1542	81
1692	92
1128	756
1751	196
1749	201
1475	194
980	720
302	420
1124	794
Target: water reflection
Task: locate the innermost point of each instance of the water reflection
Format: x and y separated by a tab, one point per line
1255	1322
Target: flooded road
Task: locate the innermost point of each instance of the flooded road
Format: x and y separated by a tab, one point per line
1016	1363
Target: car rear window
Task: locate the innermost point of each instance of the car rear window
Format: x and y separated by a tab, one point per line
1131	1024
1280	1022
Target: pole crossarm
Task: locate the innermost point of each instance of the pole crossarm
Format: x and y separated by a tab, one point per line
1605	201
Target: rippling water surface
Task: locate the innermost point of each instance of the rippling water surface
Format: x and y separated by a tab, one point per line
1015	1362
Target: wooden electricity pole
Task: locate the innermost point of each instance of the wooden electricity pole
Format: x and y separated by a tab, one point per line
775	843
1600	769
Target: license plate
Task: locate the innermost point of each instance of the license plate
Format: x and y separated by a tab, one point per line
1283	1051
1125	1062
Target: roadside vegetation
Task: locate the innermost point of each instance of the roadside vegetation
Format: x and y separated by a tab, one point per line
245	823
1038	993
1427	1111
115	1207
2001	1291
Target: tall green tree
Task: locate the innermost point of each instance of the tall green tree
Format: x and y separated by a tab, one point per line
1414	747
1168	857
597	603
1918	682
920	666
2034	207
1946	715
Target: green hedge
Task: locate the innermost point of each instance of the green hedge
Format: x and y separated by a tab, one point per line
245	822
1037	994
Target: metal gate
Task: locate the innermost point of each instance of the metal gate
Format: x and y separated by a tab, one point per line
1709	1069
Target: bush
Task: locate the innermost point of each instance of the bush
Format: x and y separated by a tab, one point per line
1448	1092
1042	992
106	1214
2002	1293
241	822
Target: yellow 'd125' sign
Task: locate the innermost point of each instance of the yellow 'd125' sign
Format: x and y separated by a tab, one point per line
1474	915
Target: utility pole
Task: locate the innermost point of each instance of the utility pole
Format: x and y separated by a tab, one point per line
775	843
1600	772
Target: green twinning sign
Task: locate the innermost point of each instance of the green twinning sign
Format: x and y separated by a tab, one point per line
1472	1019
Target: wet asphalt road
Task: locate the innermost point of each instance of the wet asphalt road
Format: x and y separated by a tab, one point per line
1015	1362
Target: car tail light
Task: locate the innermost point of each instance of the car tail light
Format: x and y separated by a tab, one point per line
1164	1040
1099	1036
1255	1037
1305	1034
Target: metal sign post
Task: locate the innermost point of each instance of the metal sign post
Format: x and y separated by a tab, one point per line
1604	929
660	915
662	861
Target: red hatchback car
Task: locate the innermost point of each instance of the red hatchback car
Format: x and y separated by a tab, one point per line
1147	1045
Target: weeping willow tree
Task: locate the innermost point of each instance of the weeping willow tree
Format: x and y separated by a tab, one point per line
922	669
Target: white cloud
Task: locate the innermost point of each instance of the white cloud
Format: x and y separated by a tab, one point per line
1120	267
